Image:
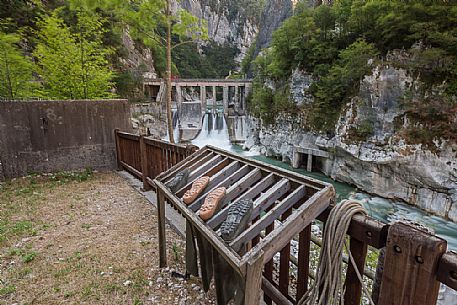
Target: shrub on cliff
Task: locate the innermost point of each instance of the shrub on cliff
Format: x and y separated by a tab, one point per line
336	44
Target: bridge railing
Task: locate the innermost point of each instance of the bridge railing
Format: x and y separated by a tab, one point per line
145	157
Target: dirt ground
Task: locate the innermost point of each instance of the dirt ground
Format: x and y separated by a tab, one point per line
86	238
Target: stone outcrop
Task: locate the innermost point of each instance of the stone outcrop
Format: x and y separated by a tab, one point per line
382	164
236	28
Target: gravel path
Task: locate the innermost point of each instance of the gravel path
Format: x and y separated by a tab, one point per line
88	241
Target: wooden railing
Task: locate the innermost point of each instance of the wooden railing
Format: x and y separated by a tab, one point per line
409	273
146	158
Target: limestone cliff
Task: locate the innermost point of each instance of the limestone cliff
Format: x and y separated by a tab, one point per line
229	21
367	149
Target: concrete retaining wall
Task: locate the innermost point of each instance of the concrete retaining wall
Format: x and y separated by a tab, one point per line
49	136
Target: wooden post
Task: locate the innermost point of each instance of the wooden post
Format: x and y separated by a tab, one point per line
304	247
118	150
353	286
145	171
254	280
161	226
410	267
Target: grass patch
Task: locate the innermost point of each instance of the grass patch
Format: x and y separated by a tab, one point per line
27	258
6	290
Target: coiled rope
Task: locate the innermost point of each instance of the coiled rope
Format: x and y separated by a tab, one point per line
327	288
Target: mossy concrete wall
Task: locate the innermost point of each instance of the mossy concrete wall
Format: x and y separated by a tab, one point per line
50	136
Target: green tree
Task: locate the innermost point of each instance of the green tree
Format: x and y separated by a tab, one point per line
15	69
152	21
73	65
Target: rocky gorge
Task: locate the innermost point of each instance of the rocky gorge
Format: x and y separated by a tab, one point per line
383	164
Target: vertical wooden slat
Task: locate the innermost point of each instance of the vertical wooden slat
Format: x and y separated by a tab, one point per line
353	286
145	172
268	270
284	261
410	267
304	247
161	227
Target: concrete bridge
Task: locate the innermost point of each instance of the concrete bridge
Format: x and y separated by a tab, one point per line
229	93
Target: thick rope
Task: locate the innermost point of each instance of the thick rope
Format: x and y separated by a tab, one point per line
327	288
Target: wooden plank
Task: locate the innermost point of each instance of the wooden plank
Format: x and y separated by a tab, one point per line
161	229
304	248
447	270
144	164
269	266
226	183
229	255
301	218
243	184
253	279
353	287
410	267
207	167
284	260
274	193
273	293
272	215
215	168
217	219
308	181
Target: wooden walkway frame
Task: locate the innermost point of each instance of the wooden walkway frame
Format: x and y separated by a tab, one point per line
279	195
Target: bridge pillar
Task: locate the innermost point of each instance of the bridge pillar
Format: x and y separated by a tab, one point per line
178	96
203	97
225	98
236	98
214	99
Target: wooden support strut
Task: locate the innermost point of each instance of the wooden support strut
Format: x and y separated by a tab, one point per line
410	267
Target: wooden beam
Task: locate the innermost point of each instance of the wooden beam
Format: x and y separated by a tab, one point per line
217	219
205	167
410	267
243	184
303	260
447	270
226	183
273	214
301	218
311	183
273	293
217	168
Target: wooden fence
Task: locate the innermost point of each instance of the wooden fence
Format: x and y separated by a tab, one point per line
146	158
414	264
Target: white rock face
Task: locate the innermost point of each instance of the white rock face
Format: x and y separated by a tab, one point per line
383	164
223	28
